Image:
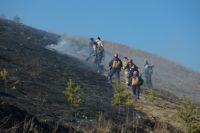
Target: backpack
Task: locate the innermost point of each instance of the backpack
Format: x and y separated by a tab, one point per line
116	64
141	81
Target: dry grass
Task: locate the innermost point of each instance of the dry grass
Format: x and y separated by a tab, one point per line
161	127
164	111
159	109
103	125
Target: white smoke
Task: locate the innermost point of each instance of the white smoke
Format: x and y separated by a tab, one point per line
77	50
66	46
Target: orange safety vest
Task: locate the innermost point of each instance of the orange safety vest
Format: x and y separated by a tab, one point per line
116	64
135	81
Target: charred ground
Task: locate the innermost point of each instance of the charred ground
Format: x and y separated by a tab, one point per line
37	79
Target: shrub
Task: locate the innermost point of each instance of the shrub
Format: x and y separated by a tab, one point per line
4	74
189	115
117	98
72	93
121	97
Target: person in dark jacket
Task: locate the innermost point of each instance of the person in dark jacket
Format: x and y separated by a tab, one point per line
132	68
135	83
115	68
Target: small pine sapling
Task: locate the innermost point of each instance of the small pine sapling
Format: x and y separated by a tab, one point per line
72	93
4	76
189	115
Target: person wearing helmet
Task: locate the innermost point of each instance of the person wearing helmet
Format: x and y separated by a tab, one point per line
115	67
132	68
135	83
148	71
126	69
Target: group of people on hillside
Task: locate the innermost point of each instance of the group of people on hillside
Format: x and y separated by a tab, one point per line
132	74
97	51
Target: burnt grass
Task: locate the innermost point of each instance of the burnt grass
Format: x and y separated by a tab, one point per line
34	89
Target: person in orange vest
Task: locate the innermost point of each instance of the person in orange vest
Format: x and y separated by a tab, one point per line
136	82
132	68
115	67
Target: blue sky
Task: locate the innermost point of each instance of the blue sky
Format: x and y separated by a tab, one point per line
170	28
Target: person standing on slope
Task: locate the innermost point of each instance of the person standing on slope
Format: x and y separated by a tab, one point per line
99	52
136	83
148	71
132	68
99	42
115	68
126	69
99	49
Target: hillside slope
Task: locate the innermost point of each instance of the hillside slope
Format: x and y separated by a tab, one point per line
33	96
36	83
38	77
168	75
